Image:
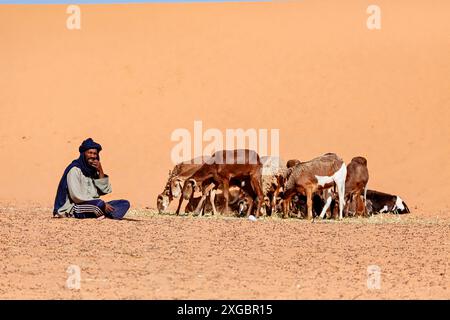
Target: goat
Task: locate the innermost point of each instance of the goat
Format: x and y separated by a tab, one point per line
380	202
318	174
225	165
177	177
356	185
273	171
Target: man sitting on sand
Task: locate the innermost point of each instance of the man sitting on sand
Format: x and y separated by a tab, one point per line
81	186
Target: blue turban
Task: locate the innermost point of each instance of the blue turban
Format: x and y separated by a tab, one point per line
89	144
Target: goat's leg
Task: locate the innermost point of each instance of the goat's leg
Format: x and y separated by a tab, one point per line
179	205
286	201
366	213
212	197
361	206
226	195
203	198
334	212
210	189
348	201
200	206
204	204
275	194
250	206
365	195
332	206
356	204
265	207
327	203
285	204
309	192
339	180
341	193
255	181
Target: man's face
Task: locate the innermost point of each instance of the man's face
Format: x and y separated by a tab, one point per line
90	156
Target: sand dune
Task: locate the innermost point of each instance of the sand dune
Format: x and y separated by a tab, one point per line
135	73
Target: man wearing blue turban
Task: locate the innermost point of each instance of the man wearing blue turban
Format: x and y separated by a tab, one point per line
82	184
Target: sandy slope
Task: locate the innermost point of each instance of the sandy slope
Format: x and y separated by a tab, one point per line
134	73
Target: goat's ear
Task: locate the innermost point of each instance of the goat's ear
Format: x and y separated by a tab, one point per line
160	197
170	173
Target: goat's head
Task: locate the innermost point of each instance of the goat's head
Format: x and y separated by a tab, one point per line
267	205
243	206
188	188
400	206
278	204
175	187
162	203
245	203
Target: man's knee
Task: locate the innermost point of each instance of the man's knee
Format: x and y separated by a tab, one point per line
122	205
126	204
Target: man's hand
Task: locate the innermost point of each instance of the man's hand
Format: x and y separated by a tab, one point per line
97	165
108	208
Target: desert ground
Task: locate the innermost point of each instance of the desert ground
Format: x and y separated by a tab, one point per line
151	256
135	73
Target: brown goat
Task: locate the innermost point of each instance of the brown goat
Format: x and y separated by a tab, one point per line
177	177
225	165
356	186
318	174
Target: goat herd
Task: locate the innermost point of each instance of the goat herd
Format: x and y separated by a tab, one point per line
241	183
